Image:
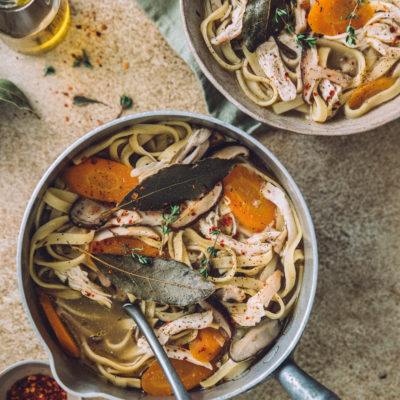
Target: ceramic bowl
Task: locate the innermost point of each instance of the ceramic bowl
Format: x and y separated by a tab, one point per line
20	370
192	12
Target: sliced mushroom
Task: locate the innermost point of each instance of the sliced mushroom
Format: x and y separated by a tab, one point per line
220	314
127	217
135	231
312	73
195	209
90	214
231	152
254	340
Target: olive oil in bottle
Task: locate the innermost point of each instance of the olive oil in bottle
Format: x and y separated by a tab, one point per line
34	26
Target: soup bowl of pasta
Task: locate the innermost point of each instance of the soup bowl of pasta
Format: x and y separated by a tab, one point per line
197	223
312	67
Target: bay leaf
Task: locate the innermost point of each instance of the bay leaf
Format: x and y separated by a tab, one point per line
84	101
10	93
260	22
164	281
177	183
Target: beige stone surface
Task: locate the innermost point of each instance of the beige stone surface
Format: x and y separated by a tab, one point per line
352	342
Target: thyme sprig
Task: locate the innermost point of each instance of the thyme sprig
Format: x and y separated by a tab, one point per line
139	257
351	37
303	39
211	252
170	218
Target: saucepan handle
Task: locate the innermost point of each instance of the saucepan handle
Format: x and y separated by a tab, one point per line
301	386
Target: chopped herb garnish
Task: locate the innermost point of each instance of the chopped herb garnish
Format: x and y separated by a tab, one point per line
215	232
165	229
204	271
305	40
126	102
351	37
139	257
49	70
82	59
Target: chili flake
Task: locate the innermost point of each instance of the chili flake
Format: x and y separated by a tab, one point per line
34	387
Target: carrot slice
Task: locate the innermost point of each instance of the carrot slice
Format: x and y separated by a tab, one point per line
154	381
207	345
243	187
63	336
368	90
100	179
331	17
124	245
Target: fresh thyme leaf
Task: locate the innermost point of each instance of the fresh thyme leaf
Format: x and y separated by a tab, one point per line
82	59
126	102
215	232
175	210
137	249
84	101
210	249
204	271
165	229
49	70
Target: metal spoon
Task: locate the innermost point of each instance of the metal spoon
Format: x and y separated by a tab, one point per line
169	371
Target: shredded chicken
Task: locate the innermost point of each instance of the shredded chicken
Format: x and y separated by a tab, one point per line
78	279
383	32
234	29
147	170
331	93
384	49
312	73
195	148
300	15
255	305
278	197
125	217
271	62
230	292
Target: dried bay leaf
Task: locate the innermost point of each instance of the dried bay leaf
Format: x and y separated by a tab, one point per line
177	183
164	281
10	93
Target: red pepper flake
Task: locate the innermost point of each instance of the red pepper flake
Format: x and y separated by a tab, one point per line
141	187
227	221
35	387
126	65
109	272
135	196
103	27
118	220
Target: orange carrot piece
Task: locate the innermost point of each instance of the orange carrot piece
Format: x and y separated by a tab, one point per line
100	179
207	345
63	336
154	381
368	90
243	187
328	17
124	245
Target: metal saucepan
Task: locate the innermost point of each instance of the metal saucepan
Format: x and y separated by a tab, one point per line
277	363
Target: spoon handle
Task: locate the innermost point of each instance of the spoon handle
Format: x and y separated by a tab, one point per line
169	371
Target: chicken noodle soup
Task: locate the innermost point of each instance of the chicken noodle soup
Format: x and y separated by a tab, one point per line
178	219
316	58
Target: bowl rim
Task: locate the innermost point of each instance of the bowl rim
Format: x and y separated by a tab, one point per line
351	129
197	119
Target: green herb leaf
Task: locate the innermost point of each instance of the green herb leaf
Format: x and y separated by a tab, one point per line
177	183
49	70
84	101
10	93
82	59
126	102
163	281
204	271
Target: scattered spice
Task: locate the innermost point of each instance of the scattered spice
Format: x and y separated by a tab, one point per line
34	387
82	59
126	65
49	70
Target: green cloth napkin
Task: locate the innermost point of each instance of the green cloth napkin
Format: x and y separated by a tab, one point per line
166	14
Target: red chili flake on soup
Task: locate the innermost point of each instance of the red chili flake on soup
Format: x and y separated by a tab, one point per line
35	387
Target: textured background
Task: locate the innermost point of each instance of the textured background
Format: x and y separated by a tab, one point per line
351	184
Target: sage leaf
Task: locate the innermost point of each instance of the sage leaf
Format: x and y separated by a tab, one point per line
259	22
84	101
10	93
176	184
162	280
